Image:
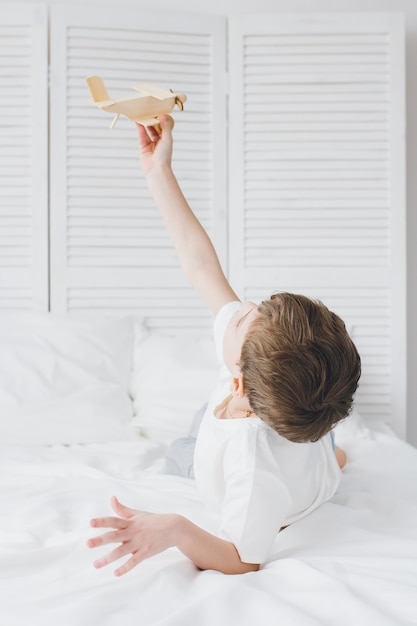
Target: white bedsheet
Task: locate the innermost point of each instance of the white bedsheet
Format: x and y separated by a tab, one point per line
351	562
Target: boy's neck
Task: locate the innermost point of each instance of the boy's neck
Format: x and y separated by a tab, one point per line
237	407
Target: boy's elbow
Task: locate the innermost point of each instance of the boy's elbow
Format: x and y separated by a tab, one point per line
241	567
237	566
248	567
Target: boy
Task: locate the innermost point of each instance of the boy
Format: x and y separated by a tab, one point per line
264	456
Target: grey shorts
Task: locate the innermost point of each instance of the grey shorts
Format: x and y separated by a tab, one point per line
179	459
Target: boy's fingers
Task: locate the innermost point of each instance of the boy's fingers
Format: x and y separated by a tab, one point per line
153	133
144	138
166	122
129	565
117	536
108	522
116	554
122	510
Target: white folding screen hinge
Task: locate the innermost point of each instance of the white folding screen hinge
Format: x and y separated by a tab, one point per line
226	83
49	77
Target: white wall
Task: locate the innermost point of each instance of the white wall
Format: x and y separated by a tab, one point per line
409	8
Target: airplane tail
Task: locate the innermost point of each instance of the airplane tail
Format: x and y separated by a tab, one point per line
97	89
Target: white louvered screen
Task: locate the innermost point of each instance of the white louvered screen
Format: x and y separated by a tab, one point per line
23	157
110	251
317	179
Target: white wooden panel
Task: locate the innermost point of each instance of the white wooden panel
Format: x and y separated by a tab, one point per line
317	178
23	157
103	221
164	308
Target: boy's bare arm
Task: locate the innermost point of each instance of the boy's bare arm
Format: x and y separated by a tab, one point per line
142	535
195	250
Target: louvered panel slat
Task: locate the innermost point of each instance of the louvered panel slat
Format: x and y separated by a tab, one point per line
323	205
317	189
320	92
147	303
104	224
304	172
167	304
15	299
341	45
23	157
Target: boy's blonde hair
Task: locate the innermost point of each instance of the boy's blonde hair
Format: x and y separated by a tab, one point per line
300	367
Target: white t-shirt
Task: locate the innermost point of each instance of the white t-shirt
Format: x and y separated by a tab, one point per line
254	479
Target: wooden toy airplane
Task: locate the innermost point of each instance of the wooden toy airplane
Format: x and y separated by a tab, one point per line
144	108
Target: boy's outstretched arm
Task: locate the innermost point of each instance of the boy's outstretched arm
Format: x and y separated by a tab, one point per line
195	250
142	535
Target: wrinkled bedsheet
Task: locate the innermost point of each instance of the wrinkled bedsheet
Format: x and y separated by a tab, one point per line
351	562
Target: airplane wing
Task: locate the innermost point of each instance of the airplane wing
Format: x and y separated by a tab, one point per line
149	121
103	103
153	90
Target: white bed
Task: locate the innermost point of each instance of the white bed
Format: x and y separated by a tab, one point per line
74	396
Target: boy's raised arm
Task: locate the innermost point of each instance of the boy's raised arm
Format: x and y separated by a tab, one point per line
195	250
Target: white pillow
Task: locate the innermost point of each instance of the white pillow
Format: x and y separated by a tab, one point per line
172	378
64	379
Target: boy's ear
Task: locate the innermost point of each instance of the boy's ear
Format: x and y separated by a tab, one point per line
237	386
